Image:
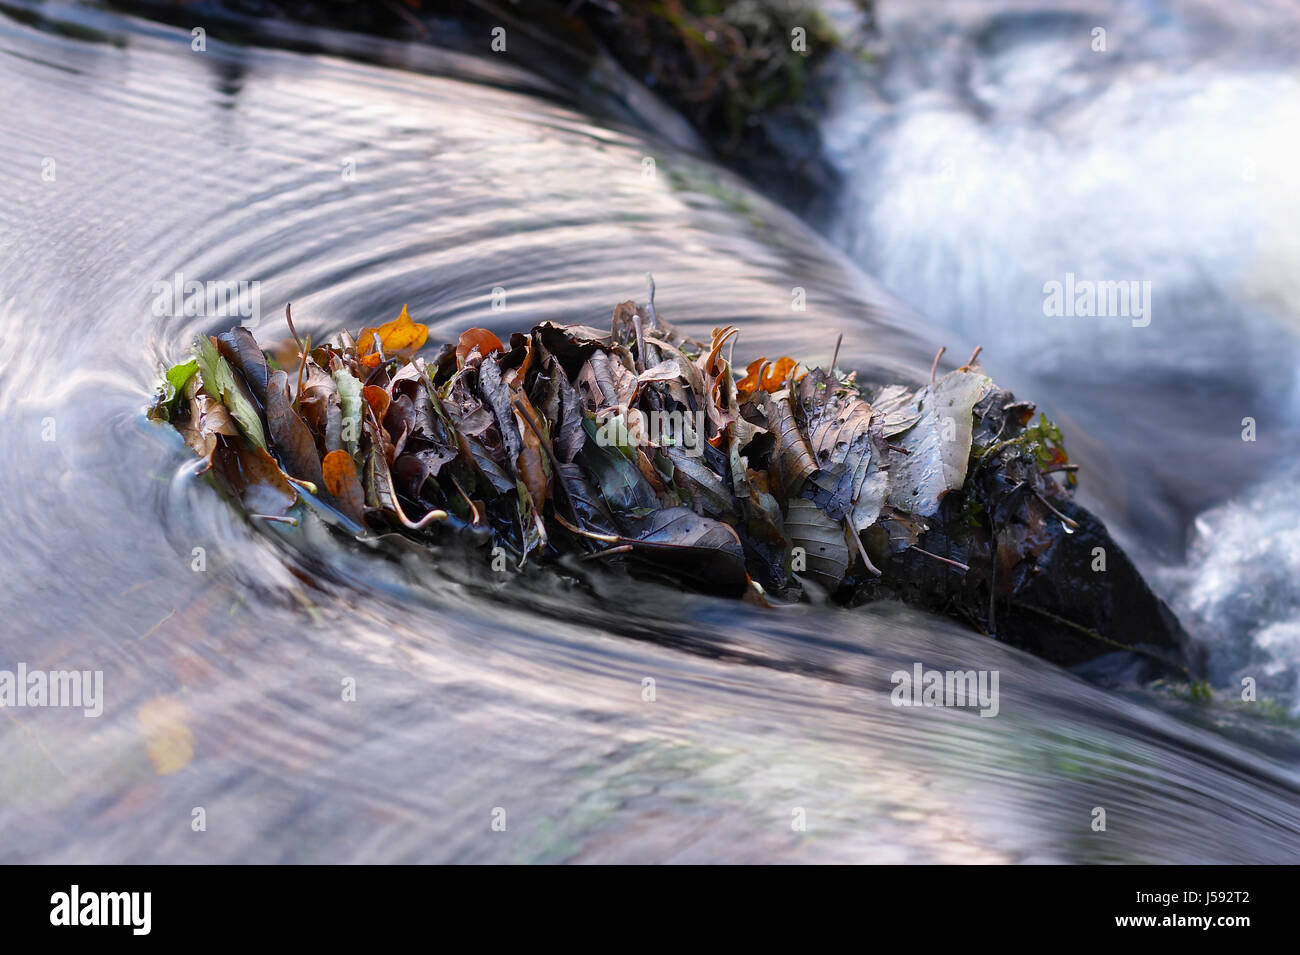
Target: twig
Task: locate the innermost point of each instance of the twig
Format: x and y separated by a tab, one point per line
302	367
650	280
288	317
604	538
934	366
473	508
1067	521
993	576
621	549
861	550
638	362
305	485
277	519
960	566
1089	632
826	398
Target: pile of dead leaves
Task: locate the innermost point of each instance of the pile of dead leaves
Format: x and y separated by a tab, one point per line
641	446
634	442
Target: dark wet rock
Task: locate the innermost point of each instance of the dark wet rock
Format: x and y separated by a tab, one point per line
1066	593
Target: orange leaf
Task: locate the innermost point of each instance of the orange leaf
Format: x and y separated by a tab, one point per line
774	377
763	375
749	384
378	399
342	483
720	336
484	340
400	338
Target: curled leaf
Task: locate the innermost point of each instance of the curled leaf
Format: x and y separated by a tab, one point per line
482	339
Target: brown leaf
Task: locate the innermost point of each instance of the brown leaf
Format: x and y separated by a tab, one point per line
242	351
208	418
792	459
381	493
606	382
718	382
290	436
256	477
531	465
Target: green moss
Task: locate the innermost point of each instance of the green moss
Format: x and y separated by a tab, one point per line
722	65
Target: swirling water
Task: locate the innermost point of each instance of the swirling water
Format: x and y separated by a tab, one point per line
350	188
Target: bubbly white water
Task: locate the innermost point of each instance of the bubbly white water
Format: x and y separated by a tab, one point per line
993	149
1242	582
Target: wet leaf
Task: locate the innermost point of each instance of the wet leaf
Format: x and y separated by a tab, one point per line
174	381
178	376
241	350
668	370
378	399
824	548
583	501
208	419
497	395
707	490
256	478
219	382
852	477
764	375
381	494
531	465
350	407
292	438
938	444
618	480
793	460
694	547
343	485
896	409
606	383
558	401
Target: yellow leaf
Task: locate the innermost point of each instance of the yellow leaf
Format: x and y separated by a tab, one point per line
400	338
167	740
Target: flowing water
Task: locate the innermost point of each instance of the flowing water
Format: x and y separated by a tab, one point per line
996	146
349	185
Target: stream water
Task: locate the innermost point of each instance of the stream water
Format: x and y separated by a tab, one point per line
509	719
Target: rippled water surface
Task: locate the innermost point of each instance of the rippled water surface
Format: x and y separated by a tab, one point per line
126	158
